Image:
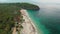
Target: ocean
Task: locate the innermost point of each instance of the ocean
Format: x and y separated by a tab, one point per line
47	19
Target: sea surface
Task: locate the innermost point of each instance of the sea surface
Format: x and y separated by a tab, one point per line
47	19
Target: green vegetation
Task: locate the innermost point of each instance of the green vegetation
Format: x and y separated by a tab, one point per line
29	6
24	5
9	14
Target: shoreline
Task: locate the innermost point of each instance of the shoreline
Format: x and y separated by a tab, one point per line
28	22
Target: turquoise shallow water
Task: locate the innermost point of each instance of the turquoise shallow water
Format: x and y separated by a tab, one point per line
36	19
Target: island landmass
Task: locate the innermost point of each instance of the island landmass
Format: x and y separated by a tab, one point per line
11	18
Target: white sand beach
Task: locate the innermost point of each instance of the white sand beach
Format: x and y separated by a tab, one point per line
28	25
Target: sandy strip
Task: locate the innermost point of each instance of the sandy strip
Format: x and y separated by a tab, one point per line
14	30
28	26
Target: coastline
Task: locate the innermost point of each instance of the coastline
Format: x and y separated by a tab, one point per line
28	25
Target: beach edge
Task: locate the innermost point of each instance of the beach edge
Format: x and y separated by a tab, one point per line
27	15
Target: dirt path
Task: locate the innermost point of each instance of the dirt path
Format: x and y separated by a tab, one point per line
14	30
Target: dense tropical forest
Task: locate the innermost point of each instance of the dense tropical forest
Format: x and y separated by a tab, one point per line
10	13
7	14
23	5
